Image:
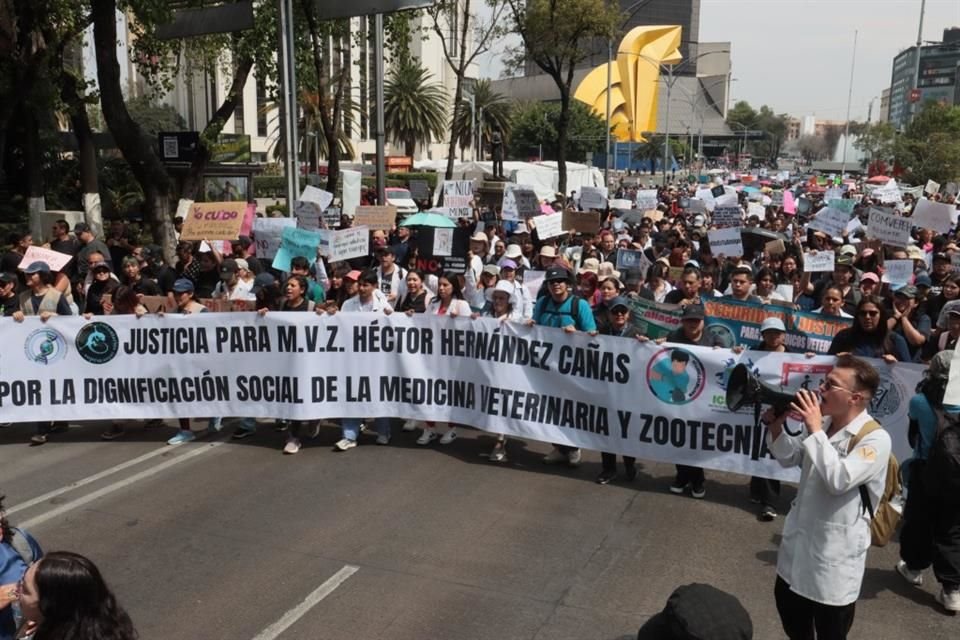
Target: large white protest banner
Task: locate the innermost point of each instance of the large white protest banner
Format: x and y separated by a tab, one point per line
818	261
726	242
889	229
938	216
831	221
597	392
349	243
593	198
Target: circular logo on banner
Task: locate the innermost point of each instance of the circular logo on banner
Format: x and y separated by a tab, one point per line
97	343
887	400
45	346
676	376
722	335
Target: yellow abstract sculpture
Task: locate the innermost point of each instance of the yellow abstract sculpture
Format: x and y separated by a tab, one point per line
634	81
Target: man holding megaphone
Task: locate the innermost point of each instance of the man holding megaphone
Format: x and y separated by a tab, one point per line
826	535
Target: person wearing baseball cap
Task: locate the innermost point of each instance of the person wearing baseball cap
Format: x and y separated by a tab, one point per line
563	309
940	273
910	320
869	283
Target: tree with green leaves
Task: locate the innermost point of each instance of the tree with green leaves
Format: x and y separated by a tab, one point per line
464	35
876	140
742	117
414	108
533	128
929	149
555	35
492	113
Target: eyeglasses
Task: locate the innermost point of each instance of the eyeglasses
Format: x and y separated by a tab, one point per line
619	311
827	385
868	314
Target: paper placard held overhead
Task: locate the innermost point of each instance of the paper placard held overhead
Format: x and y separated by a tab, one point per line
593	198
549	226
331	217
775	247
442	242
819	261
727	217
308	214
647	199
755	209
457	206
889	229
932	187
457	188
318	196
293	243
727	242
934	215
510	211
214	221
268	232
843	204
581	221
630	259
622	204
527	204
349	243
54	259
376	217
898	272
830	221
419	189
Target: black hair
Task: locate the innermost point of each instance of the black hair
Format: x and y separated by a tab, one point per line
454	280
76	603
679	355
6	533
299	262
882	334
302	281
369	277
125	300
745	271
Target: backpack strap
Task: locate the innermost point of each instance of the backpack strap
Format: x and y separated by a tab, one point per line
865	430
22	546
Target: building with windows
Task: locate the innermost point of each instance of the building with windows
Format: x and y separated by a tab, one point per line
938	78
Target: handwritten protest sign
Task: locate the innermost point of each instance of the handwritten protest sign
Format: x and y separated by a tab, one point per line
831	221
727	217
833	193
889	229
727	242
932	187
951	189
775	247
268	233
622	204
419	189
726	200
442	242
54	259
647	199
458	206
509	209
789	204
308	214
776	198
549	226
755	209
581	221
349	243
457	188
818	261
938	216
214	221
376	217
318	196
593	198
331	217
843	204
293	243
898	271
527	203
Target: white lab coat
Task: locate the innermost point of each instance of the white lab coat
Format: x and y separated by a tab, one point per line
826	535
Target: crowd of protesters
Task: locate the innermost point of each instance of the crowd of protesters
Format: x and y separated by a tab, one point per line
583	290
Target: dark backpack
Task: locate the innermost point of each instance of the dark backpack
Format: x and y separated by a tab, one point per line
573	313
942	471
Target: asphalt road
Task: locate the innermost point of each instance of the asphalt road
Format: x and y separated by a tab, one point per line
237	541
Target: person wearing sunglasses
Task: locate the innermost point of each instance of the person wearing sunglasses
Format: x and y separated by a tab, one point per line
870	336
826	534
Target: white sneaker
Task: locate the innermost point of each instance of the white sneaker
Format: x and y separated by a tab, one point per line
555	457
345	445
449	436
913	577
428	436
949	599
410	425
292	446
383	440
573	458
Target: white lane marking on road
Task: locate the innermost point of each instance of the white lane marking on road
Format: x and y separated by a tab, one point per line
88	480
321	592
110	488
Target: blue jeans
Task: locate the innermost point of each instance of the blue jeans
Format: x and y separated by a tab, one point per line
248	424
351	427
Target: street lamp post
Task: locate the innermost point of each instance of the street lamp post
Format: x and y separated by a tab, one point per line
666	129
